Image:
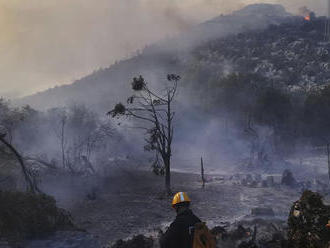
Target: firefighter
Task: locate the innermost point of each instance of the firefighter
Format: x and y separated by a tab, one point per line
180	234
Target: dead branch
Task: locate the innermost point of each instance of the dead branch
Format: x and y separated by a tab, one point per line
28	178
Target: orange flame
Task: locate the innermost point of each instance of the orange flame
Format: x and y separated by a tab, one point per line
307	18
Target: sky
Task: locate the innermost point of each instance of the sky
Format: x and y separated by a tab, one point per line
44	43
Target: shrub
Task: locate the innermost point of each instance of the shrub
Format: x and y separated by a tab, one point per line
27	215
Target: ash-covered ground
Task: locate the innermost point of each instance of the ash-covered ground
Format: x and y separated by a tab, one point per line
129	202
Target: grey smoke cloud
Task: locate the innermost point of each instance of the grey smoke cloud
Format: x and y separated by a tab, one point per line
47	43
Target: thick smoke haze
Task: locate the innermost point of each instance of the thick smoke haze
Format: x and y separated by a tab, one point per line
48	43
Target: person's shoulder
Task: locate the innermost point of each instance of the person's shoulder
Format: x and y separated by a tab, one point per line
197	219
194	217
187	216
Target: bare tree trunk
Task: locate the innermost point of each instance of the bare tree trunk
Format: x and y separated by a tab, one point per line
169	148
31	184
328	151
202	173
167	175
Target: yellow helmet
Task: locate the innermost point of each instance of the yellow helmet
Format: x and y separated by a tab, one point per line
179	198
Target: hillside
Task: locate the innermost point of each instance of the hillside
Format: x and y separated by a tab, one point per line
289	54
106	86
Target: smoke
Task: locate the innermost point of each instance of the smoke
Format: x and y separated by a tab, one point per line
210	139
304	11
47	43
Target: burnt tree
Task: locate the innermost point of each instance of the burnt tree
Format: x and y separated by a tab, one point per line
32	185
155	110
202	173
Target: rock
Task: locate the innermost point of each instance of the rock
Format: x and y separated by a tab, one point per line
288	179
270	181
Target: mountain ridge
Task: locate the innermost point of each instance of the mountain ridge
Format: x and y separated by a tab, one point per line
108	85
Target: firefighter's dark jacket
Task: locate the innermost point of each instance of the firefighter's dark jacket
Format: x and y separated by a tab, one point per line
180	233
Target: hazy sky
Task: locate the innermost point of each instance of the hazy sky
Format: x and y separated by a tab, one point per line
44	43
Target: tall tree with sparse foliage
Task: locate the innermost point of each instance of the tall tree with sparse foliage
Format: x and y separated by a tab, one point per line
155	110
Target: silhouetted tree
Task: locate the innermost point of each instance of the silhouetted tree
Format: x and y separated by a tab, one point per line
156	110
